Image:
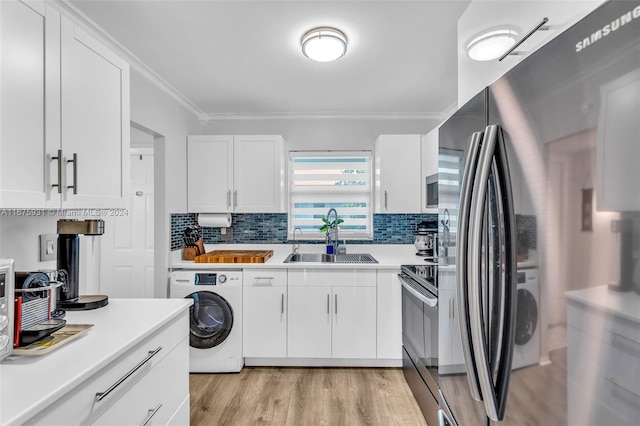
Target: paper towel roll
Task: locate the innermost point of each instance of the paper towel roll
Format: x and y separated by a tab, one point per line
214	220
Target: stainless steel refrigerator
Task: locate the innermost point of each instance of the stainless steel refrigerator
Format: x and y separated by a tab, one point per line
540	193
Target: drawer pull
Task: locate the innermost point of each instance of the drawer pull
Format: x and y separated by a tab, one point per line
152	412
621	386
631	339
102	395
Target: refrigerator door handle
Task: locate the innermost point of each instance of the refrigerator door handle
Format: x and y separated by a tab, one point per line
493	160
462	245
509	297
477	323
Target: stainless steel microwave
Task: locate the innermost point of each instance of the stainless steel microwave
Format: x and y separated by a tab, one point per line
431	185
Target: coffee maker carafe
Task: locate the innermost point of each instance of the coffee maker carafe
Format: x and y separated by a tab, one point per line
69	262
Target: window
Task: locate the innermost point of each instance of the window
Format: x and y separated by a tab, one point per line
320	181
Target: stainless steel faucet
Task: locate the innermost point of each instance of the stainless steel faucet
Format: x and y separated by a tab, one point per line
335	242
296	246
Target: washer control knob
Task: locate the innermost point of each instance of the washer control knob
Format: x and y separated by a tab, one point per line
222	279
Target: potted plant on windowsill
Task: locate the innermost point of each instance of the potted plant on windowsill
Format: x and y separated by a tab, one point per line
330	228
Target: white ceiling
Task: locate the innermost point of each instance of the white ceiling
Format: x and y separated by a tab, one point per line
243	58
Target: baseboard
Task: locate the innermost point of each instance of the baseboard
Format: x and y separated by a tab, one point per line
321	362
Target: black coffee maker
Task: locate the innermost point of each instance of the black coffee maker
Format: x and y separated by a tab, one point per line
69	261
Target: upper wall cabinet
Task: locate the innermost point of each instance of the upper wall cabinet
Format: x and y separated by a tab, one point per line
22	115
429	151
54	73
519	16
244	174
397	174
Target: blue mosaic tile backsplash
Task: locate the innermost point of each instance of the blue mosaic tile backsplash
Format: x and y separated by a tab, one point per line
271	228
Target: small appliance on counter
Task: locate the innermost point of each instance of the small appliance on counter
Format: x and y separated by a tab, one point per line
6	307
426	236
36	314
69	261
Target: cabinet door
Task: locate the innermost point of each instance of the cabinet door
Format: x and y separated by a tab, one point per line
210	174
95	121
397	168
264	331
618	150
389	313
354	322
22	96
309	325
259	178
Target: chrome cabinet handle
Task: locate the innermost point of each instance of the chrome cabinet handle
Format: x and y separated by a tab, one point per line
386	198
621	386
524	37
462	278
336	303
75	173
622	336
235	198
229	199
102	395
282	304
328	301
59	184
152	412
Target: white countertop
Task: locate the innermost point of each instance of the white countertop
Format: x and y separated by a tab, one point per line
624	305
29	384
389	256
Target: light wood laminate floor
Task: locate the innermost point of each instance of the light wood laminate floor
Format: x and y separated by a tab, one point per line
304	396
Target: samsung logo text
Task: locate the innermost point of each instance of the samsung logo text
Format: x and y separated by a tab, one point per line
608	29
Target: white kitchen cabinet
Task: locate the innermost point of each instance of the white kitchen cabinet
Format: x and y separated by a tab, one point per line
618	154
264	332
353	330
397	174
309	325
429	166
610	341
65	118
450	355
389	315
153	374
332	313
244	174
94	122
22	116
520	16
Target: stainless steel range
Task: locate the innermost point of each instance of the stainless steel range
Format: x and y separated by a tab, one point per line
420	335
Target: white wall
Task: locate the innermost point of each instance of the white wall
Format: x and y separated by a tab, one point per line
326	133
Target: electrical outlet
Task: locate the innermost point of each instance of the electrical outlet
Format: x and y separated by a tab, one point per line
48	247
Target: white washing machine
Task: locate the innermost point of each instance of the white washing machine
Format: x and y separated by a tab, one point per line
527	341
215	323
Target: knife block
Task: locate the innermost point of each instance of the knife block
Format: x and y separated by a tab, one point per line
189	253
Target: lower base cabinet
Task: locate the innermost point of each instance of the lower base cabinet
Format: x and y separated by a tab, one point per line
149	382
264	307
332	314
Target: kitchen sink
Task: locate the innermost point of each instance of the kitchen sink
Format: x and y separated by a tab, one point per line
330	258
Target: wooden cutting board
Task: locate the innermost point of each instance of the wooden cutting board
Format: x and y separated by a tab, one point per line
235	256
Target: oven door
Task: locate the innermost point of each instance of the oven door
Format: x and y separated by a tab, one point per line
420	330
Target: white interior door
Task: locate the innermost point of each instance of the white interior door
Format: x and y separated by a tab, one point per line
127	245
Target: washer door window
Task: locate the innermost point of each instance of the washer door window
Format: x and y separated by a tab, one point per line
211	319
527	317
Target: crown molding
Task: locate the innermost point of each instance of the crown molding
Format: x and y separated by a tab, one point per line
329	115
136	63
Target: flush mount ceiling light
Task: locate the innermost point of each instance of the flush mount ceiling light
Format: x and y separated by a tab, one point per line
324	44
491	45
